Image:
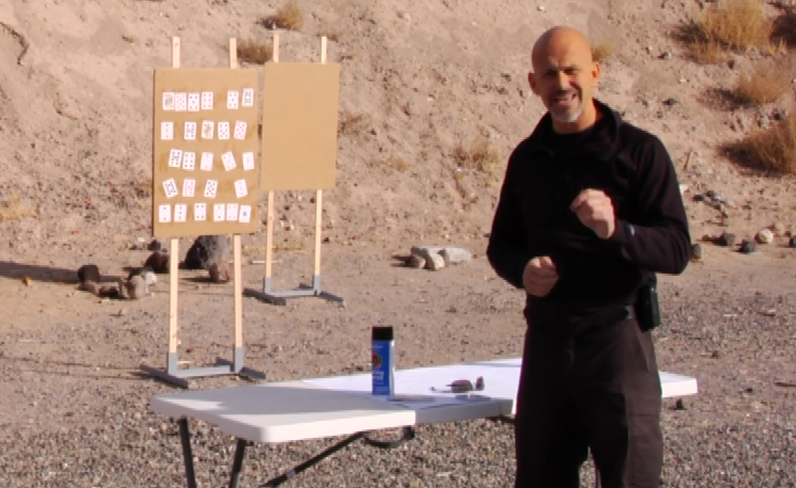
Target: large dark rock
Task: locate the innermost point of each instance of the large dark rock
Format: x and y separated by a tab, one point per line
207	250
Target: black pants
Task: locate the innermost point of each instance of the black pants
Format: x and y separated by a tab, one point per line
598	390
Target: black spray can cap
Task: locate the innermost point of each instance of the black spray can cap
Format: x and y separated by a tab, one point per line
382	333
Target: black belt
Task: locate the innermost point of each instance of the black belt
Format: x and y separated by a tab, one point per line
546	318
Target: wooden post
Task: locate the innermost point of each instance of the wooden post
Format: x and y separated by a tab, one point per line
236	256
269	215
174	259
319	207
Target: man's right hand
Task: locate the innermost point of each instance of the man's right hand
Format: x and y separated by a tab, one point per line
539	276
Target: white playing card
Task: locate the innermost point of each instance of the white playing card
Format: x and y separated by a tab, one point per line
180	102
232	99
247	100
241	190
170	188
168	101
228	159
245	215
219	212
164	214
200	212
211	187
193	102
240	130
207	129
180	212
167	131
248	161
207	162
188	161
175	158
223	131
189	188
232	212
190	131
207	100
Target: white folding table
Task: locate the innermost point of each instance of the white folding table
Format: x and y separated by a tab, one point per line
342	405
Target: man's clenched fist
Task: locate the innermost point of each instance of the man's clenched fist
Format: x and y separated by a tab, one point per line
539	276
595	209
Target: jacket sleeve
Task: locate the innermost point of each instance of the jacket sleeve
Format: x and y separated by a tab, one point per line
507	250
658	238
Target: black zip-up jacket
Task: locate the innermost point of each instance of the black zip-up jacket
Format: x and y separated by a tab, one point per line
533	218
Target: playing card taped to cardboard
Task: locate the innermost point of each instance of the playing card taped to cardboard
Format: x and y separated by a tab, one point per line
199	141
300	112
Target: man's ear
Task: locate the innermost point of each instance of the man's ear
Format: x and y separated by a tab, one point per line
595	72
532	83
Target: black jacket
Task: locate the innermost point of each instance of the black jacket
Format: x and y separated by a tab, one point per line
544	175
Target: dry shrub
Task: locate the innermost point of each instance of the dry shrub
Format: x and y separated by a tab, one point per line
353	124
774	149
289	16
398	163
763	85
735	24
254	51
602	50
708	52
11	208
479	155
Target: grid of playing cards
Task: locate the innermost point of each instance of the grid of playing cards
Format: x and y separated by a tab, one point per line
205	164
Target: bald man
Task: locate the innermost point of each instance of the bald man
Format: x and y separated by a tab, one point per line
589	211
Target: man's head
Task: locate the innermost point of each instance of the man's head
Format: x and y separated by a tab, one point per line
564	76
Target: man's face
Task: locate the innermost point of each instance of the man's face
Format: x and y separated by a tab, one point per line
564	77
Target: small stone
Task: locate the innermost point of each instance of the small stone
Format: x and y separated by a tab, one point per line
779	115
135	287
456	255
778	229
715	355
696	251
792	242
219	272
679	404
158	262
765	236
435	262
540	8
155	245
748	246
415	261
207	250
666	55
88	272
670	102
726	239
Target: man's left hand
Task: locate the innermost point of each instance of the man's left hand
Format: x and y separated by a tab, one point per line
595	209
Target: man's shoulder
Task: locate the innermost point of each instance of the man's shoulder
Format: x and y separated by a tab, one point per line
633	136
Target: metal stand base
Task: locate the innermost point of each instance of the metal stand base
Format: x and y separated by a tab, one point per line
240	453
180	376
268	294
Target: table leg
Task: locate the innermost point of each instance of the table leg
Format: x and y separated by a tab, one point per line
313	461
185	437
237	465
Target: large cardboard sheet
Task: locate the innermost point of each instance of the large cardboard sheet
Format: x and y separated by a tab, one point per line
300	112
205	171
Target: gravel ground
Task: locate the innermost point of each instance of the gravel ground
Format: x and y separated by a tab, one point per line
74	409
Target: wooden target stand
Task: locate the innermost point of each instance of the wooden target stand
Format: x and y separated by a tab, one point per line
174	373
268	293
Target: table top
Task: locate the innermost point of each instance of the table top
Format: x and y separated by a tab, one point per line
340	405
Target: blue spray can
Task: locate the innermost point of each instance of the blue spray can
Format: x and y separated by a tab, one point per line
383	361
